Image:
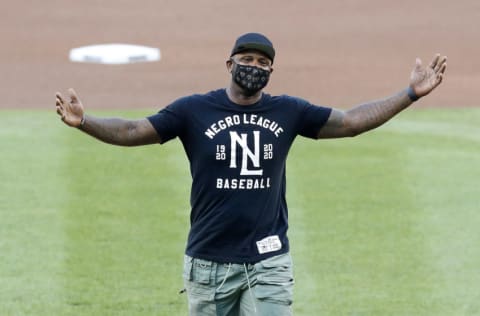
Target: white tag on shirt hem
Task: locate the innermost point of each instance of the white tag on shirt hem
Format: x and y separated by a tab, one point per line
269	244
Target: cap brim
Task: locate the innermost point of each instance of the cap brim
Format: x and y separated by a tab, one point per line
264	49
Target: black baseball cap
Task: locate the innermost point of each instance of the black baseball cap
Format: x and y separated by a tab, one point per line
255	41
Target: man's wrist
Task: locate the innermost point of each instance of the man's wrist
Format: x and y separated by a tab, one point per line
82	122
411	94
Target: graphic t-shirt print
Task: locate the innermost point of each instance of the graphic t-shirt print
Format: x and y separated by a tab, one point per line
245	151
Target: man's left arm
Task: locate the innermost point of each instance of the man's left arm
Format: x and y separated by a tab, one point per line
365	117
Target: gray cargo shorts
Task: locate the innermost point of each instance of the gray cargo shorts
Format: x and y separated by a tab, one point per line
264	288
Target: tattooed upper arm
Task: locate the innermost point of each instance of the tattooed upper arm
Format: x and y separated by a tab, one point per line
335	126
143	133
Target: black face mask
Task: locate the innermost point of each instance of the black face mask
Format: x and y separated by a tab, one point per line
251	79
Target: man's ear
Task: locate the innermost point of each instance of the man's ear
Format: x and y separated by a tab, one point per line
229	65
271	70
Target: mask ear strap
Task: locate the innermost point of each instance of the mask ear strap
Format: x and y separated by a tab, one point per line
234	64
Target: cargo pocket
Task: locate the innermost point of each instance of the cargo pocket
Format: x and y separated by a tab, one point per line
202	271
275	280
199	281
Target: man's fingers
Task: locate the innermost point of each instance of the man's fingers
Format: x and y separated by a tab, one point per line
418	64
434	61
441	64
61	112
441	71
59	97
440	78
59	106
442	68
73	95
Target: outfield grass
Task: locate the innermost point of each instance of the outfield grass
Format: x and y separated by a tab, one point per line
383	224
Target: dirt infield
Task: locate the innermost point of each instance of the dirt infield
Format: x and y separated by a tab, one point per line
335	53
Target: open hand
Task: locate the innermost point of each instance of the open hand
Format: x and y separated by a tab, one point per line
71	111
424	79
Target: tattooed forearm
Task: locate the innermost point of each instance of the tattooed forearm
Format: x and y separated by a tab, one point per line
120	132
373	114
364	117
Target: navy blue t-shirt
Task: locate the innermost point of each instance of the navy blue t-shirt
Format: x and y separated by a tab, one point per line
237	158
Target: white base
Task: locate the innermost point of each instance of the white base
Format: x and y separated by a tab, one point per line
114	54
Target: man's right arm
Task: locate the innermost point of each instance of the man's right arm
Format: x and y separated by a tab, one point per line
114	131
119	131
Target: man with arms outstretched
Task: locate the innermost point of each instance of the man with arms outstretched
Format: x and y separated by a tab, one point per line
237	259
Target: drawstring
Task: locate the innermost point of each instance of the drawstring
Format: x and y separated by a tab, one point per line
248	282
250	289
225	278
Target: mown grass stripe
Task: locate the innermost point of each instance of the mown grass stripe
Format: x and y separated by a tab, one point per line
31	231
444	182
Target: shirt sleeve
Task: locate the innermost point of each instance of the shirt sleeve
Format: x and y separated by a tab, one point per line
170	122
312	119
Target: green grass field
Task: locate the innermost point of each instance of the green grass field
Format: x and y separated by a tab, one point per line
387	223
